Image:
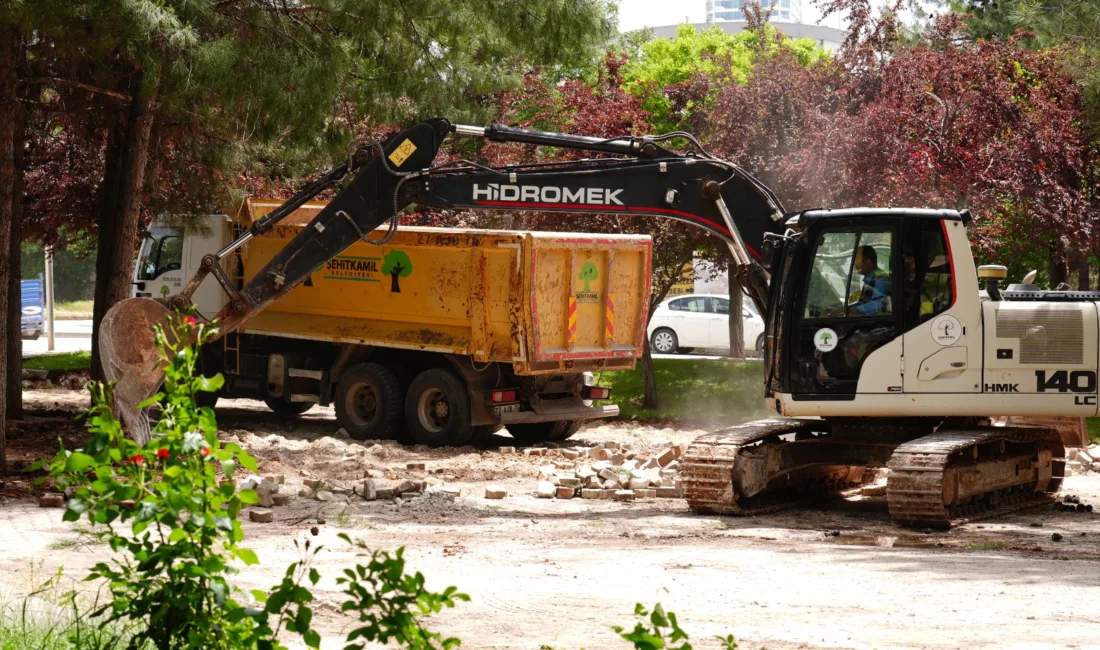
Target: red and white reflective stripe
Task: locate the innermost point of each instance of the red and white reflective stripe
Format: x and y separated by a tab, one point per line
503	396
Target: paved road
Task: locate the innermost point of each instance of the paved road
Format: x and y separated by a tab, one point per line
71	336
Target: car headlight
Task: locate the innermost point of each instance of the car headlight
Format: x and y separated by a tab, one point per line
32	311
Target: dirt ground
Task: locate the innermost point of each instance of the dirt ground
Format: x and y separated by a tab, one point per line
559	573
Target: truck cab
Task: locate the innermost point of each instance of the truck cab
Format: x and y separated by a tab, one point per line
877	314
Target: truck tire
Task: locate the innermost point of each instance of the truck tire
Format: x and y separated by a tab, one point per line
437	409
283	407
532	432
368	402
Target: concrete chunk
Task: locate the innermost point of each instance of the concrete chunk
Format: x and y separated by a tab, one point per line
638	484
545	490
369	490
406	486
325	495
314	483
262	516
507	450
266	496
280	500
570	454
495	492
385	493
416	467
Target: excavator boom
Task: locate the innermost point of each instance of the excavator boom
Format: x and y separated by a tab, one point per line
636	177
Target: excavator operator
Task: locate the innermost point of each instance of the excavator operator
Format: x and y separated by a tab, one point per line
875	296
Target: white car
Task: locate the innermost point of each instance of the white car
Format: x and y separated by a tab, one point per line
682	323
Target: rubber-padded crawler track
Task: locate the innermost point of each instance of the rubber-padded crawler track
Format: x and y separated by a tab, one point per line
917	469
708	467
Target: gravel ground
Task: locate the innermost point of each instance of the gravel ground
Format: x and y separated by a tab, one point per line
560	572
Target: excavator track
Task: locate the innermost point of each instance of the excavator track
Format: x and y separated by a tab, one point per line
954	476
710	463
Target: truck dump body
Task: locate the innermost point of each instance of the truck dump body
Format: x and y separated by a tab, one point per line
543	302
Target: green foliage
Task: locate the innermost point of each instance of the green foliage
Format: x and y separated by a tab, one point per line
73	266
662	62
60	362
657	630
390	603
164	509
173	522
691	390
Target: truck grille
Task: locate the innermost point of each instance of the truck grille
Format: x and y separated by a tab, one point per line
1051	335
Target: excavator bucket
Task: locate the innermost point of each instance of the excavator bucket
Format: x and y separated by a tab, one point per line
130	357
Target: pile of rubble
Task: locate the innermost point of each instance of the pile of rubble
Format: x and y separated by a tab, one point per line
1081	460
375	488
608	471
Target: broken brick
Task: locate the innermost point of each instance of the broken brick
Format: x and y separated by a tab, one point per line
416	466
495	492
624	495
51	501
262	515
565	492
591	494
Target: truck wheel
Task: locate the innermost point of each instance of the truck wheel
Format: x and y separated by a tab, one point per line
283	407
760	343
531	432
664	341
368	402
437	409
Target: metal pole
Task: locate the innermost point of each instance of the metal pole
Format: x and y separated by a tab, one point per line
49	298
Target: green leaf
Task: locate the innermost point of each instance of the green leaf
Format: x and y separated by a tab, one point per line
247	462
210	384
177	535
247	555
314	576
78	462
658	617
311	638
173	471
229	467
248	497
260	595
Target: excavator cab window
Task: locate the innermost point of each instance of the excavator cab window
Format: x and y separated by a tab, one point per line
846	307
928	285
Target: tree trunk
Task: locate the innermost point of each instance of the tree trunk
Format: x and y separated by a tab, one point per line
118	228
9	126
649	380
1083	271
15	273
1057	269
737	322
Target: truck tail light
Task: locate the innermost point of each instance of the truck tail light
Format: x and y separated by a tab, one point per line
596	392
499	396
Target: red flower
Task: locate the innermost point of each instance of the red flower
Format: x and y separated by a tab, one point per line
205	451
137	459
162	453
190	320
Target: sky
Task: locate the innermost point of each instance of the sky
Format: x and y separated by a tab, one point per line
635	14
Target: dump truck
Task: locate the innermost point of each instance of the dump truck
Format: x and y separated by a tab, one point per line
442	334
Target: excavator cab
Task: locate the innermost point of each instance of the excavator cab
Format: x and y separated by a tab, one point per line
846	283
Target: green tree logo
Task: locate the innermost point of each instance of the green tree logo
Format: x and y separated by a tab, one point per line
164	290
397	265
588	274
825	338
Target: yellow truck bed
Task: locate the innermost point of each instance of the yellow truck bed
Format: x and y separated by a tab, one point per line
543	302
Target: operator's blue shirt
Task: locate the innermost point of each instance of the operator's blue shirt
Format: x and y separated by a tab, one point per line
876	289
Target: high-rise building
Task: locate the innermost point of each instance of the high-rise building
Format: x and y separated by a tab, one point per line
784	11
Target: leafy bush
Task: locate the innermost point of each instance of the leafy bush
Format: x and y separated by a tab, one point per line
658	630
165	508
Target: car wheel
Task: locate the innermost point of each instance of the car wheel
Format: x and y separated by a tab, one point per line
664	341
368	402
760	343
437	409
